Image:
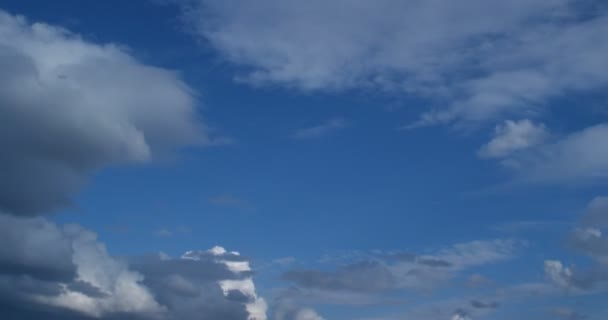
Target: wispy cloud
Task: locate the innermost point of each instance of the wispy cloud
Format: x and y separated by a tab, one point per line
469	64
321	130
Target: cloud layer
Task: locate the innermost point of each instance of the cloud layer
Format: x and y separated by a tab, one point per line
70	107
474	60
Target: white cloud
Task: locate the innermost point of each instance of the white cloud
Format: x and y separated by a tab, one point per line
460	316
579	156
307	314
472	63
287	309
257	306
558	273
120	287
512	136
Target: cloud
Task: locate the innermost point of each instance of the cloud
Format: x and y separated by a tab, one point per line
589	238
470	63
558	273
568	314
461	315
66	267
484	305
82	280
512	136
211	284
597	213
35	247
388	272
366	276
580	156
590	241
477	280
70	107
287	309
321	130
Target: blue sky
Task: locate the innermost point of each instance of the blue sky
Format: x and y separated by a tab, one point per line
368	160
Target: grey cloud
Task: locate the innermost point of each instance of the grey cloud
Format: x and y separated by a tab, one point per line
70	107
591	242
477	280
363	276
589	237
433	262
568	314
190	288
471	63
35	247
65	268
86	289
237	296
151	287
597	213
394	271
484	305
577	280
580	156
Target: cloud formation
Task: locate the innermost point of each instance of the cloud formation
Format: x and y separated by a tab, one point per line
588	239
70	107
474	60
68	268
386	272
512	136
576	157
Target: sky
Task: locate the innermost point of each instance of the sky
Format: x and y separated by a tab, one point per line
304	160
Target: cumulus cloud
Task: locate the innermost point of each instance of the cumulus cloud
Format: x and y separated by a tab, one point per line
68	268
210	284
70	107
589	239
512	136
470	62
65	271
461	315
